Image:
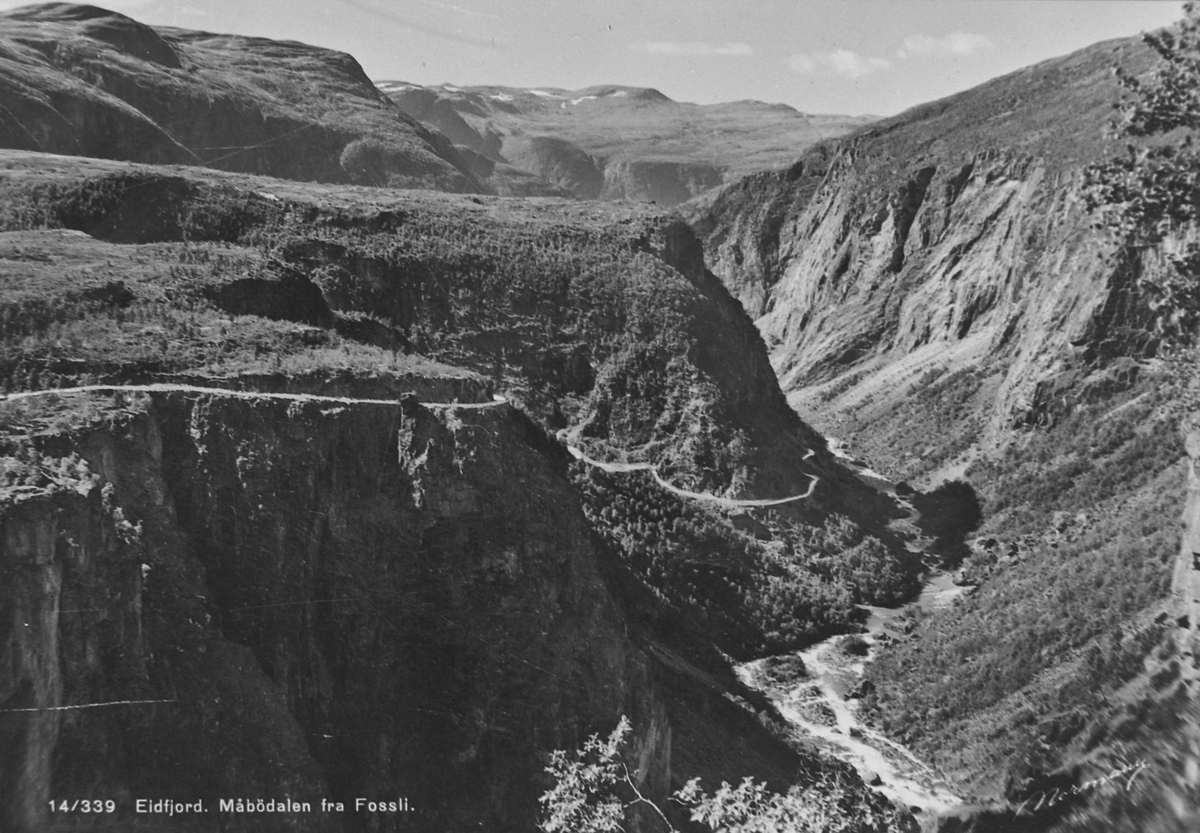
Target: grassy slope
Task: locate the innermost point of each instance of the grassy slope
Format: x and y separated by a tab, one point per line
1077	545
1054	110
82	80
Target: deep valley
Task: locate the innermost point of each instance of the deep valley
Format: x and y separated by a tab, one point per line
453	448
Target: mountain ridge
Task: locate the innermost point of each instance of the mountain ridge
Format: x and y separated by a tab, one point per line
617	142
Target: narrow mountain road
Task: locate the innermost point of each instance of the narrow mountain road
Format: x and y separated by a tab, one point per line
671	487
169	387
165	387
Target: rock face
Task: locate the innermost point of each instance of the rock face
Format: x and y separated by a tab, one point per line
666	182
611	142
85	81
944	235
367	601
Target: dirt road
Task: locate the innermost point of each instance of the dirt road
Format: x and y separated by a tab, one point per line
671	487
165	387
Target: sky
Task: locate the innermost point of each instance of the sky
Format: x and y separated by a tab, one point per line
854	57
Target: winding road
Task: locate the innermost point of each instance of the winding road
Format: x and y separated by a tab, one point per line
671	487
169	387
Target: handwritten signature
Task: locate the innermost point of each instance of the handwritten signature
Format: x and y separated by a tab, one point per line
1048	799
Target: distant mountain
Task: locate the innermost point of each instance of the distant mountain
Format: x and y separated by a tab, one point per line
85	81
614	142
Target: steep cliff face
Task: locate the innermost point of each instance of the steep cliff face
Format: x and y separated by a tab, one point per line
992	257
82	80
950	237
439	112
327	602
667	182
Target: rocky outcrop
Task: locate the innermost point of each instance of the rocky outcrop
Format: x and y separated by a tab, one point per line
666	182
439	112
85	81
509	180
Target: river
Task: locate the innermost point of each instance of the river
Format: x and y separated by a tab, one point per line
817	707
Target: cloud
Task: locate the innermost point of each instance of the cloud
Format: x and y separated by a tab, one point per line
692	48
840	62
451	7
408	23
955	43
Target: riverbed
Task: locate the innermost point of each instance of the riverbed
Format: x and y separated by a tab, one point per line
818	709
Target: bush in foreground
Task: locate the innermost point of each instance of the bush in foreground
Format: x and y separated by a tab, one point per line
594	790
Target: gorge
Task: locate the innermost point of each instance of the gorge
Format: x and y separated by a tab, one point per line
377	463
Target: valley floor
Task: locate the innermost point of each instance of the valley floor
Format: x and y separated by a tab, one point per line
822	705
818	710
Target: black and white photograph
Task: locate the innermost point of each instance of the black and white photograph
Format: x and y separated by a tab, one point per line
549	416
